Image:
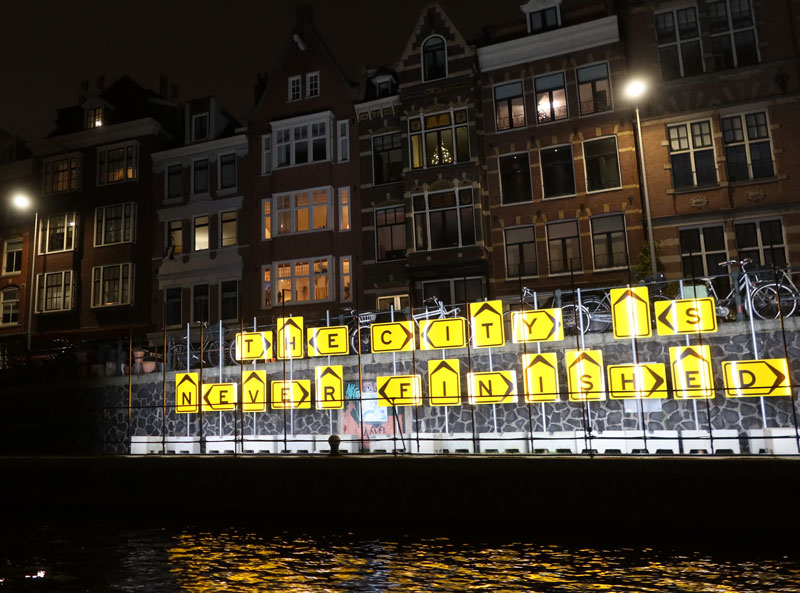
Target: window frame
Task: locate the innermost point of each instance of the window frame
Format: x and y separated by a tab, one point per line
624	231
193	312
424	131
567	271
392	149
523	264
308	123
692	153
343	140
10	305
508	101
311	79
731	33
131	146
221	299
679	43
177	249
760	246
746	142
266	154
74	172
402	224
500	159
167	177
120	292
452	288
704	252
292	209
425	54
70	230
222	223
93	117
195	192
297	78
330	273
345	207
346	279
610	104
586	167
234	163
207	226
457	206
101	218
542	175
17	259
544	29
67	288
550	91
167	291
199	117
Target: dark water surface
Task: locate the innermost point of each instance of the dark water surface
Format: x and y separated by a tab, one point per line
71	556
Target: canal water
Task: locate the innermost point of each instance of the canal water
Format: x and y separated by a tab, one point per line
69	556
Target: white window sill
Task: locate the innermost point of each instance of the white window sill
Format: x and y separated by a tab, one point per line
11	274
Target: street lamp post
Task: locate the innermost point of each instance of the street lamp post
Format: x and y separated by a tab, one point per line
634	90
22	202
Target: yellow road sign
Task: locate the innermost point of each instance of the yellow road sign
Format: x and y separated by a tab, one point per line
395	336
289	338
287	395
328	341
253	346
686	316
585	375
539	325
187	393
492	387
330	387
219	397
444	382
540	377
757	378
436	334
630	312
254	391
486	323
400	390
692	377
637	381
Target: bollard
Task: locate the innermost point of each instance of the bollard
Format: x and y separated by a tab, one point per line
334	441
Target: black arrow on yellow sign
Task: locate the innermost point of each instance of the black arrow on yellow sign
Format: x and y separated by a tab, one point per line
305	396
329	371
539	359
659	381
585	357
443	365
188	377
665	314
385	386
691	352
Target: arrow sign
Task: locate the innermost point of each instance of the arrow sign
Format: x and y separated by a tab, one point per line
436	334
486	323
637	381
254	391
253	346
444	382
585	375
187	390
757	378
290	338
686	316
692	377
287	395
395	336
330	387
219	397
539	325
327	341
493	387
630	312
400	390
540	377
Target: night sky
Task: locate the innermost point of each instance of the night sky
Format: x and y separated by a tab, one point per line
206	47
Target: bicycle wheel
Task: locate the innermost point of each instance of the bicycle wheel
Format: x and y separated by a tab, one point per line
366	342
772	300
599	315
572	323
178	354
212	353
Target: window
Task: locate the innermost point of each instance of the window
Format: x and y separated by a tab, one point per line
267	218
564	247
266	154
12	256
174	181
200	176
692	154
174	306
509	105
762	241
602	164
521	257
94	117
733	34
54	292
747	147
515	178
344	208
63	174
117	164
343	131
57	233
454	291
594	89
302	212
347	279
9	305
200	126
267	286
111	285
434	59
446	139
294	88
302	144
229	299
174	237
227	171
608	242
387	158
443	219
551	97
200	302
228	228
390	233
398	301
303	280
558	176
540	21
702	250
114	224
679	50
200	233
312	84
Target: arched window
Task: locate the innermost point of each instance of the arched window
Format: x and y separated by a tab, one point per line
434	58
9	305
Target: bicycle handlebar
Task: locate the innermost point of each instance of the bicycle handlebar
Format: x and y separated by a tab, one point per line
744	262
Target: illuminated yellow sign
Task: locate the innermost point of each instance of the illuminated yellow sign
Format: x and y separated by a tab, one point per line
539	325
486	323
187	393
540	377
630	312
253	346
219	397
289	338
328	341
493	387
686	316
394	336
287	395
757	378
437	334
400	390
585	375
444	382
637	381
330	387
692	377
254	391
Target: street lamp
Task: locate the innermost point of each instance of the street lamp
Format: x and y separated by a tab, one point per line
636	89
22	202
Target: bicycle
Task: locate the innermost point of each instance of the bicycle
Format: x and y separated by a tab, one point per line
359	324
438	311
212	350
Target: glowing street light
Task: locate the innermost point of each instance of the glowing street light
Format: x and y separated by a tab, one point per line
22	202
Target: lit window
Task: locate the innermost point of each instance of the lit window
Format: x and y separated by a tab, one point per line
54	291
175	237
434	58
594	89
679	50
439	139
62	174
302	212
200	176
515	178
114	224
117	164
294	88
94	117
229	299
57	233
396	301
521	257
267	218
302	281
747	147
312	84
602	164
174	181
509	105
443	219
9	305
733	34
551	97
344	208
111	285
228	225
12	256
454	291
347	279
691	151
200	233
227	171
558	176
267	286
564	247
608	242
200	126
390	233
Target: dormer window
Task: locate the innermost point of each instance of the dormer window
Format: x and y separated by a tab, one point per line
312	84
94	117
384	85
200	126
434	58
544	20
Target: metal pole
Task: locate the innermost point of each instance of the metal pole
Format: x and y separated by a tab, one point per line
646	195
32	286
753	338
539	351
219	352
